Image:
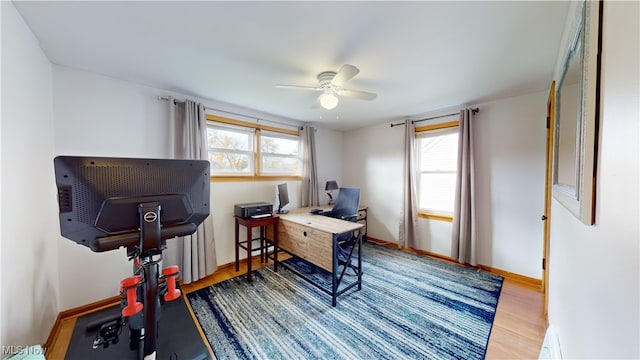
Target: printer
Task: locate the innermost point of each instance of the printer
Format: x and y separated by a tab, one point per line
253	210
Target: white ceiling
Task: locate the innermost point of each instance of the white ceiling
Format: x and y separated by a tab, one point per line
417	56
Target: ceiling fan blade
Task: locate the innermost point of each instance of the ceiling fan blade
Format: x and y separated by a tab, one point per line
362	95
314	88
345	74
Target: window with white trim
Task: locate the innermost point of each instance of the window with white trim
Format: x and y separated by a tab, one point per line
436	163
231	150
279	154
244	151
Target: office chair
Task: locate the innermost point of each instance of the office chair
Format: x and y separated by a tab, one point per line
346	208
346	205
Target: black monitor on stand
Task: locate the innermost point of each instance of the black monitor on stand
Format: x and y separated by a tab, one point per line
283	198
108	203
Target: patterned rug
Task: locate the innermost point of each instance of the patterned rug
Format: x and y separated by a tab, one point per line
410	307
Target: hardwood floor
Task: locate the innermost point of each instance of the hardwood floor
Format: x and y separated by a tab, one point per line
517	333
519	325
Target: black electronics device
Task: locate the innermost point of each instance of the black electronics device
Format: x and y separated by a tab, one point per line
283	198
253	210
98	198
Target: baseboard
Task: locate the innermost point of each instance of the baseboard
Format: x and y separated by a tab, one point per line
53	334
229	265
91	307
525	280
382	242
78	311
550	346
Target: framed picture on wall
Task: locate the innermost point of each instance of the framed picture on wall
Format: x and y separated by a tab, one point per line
576	112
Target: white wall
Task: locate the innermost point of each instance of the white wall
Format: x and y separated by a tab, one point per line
329	153
225	195
510	153
594	272
102	116
30	291
510	145
373	161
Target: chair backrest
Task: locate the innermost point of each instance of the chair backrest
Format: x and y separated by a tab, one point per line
346	204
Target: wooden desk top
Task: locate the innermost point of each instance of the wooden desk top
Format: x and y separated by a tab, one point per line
319	222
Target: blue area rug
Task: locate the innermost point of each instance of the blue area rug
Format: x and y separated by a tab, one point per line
410	307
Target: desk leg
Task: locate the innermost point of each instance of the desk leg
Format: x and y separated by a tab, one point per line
334	275
249	241
237	247
262	242
360	260
275	246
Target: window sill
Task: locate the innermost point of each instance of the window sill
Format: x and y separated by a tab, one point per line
439	217
255	178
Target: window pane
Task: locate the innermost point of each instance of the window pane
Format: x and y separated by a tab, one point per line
279	145
280	165
439	153
230	150
232	139
437	191
230	162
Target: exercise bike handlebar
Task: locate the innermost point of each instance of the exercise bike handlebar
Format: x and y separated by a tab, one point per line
133	238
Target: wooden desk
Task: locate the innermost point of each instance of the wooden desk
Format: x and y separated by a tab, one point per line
363	211
249	224
317	240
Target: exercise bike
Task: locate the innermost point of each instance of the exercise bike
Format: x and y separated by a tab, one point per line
143	293
139	204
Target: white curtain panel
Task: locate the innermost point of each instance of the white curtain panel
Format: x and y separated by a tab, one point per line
409	211
309	188
195	254
463	241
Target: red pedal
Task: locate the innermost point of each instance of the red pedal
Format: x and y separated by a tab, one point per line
130	285
170	273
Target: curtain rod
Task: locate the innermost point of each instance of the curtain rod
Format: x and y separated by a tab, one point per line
435	117
233	113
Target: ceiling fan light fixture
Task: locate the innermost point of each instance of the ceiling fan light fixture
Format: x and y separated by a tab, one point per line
331	84
328	101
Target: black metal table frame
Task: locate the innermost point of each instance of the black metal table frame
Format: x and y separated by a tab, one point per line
339	265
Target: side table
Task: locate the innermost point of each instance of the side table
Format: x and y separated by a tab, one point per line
249	224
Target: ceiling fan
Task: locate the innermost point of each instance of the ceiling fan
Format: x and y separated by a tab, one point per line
330	83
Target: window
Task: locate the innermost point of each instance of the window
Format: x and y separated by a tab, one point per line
279	154
245	151
230	150
437	157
